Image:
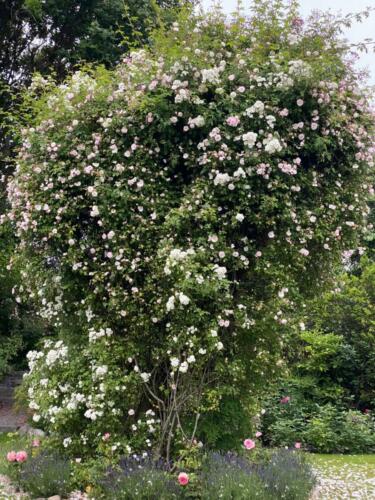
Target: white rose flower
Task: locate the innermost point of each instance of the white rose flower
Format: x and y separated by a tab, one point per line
249	139
184	299
184	367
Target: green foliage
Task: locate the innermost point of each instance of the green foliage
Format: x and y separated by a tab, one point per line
19	328
332	373
323	428
224	427
334	430
348	314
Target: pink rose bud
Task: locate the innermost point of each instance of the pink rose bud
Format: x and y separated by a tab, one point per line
183	478
106	436
297	445
12	456
285	400
249	444
21	456
258	434
36	443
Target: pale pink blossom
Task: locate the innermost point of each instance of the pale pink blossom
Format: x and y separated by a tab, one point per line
21	456
12	456
233	121
285	400
249	444
258	434
297	445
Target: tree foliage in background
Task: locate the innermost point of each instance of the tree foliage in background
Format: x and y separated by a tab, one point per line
172	214
331	383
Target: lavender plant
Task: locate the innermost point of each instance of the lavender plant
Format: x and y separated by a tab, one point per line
46	474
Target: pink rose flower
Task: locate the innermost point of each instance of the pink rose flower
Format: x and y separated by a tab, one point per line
249	444
36	443
297	445
12	456
258	434
285	400
106	436
233	121
21	456
183	478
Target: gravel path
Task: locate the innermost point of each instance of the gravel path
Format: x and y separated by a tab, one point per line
7	492
347	481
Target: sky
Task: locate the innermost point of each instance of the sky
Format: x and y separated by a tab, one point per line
355	34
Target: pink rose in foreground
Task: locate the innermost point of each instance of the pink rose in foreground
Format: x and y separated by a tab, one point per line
258	434
297	445
21	456
233	121
285	400
36	443
249	444
12	456
183	478
106	436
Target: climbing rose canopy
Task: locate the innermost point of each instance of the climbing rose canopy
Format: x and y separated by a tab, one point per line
172	214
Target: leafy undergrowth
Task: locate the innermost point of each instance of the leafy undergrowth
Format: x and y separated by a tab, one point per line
344	476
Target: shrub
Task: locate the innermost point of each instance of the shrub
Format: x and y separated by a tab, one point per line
324	428
171	216
357	434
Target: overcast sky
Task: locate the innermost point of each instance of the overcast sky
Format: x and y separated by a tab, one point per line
356	34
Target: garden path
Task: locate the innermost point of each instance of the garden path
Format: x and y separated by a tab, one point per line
10	418
343	477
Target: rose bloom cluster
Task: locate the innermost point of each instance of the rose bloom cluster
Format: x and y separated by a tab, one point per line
17	456
172	214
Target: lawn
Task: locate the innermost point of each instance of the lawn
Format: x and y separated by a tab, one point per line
344	476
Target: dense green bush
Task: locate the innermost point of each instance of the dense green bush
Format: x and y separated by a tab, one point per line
348	313
325	428
171	216
331	375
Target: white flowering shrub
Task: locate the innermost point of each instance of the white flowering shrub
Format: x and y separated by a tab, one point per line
172	214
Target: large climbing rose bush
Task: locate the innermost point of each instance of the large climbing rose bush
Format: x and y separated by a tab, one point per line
173	214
